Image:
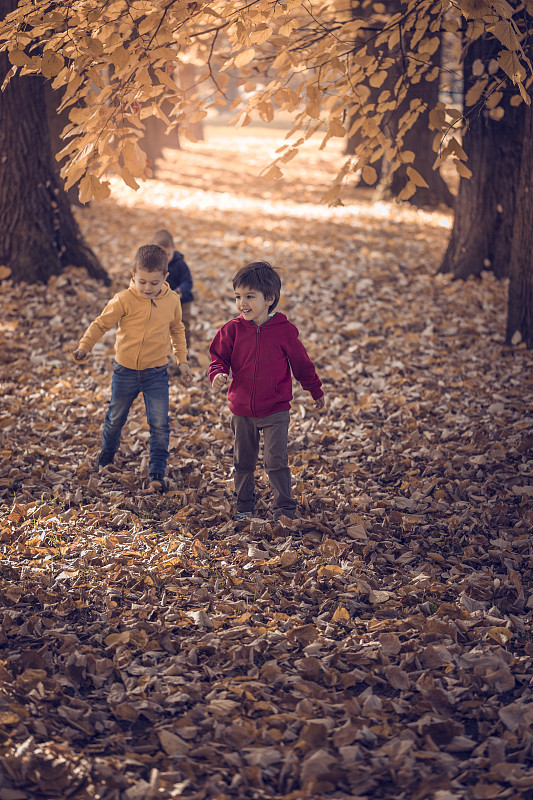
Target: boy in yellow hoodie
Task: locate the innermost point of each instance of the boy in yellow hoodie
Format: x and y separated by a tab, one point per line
148	315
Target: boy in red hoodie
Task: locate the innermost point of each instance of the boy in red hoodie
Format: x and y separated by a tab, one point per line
260	348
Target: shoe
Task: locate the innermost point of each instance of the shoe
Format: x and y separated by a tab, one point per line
278	521
157	482
243	516
105	458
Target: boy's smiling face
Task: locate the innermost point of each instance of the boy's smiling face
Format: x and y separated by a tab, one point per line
252	304
147	283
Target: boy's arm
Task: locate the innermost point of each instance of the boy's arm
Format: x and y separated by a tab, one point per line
304	370
220	353
177	336
109	317
185	284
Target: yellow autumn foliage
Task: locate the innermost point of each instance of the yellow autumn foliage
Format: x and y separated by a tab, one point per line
317	62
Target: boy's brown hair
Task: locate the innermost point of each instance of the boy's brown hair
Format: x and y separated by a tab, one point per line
261	277
164	239
152	258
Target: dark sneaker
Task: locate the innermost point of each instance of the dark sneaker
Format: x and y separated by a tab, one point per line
284	520
157	482
243	516
104	458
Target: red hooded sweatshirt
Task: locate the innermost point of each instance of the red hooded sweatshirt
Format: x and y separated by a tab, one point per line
260	358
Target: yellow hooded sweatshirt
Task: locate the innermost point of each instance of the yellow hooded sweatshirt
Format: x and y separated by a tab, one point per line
146	328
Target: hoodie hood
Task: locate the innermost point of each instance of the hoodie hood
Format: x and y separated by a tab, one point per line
276	319
165	289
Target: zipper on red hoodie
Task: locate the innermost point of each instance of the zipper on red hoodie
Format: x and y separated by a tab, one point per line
257	346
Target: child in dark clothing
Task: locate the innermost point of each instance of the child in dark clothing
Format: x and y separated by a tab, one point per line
260	348
179	278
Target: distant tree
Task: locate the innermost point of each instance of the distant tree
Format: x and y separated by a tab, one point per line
188	80
158	135
40	236
155	140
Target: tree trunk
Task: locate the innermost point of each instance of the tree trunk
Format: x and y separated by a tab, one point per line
188	81
56	123
419	139
40	236
485	206
520	303
366	38
156	138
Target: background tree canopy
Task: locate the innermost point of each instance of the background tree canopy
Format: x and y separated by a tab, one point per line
115	63
361	70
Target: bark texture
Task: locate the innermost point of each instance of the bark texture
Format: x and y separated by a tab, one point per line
155	140
40	236
188	80
520	304
56	124
419	139
485	206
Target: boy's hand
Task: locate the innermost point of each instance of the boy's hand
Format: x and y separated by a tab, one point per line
320	402
219	381
186	374
79	355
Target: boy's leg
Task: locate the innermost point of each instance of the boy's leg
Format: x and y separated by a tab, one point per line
154	386
124	389
275	429
245	454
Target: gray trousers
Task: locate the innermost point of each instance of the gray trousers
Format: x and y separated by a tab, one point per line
275	429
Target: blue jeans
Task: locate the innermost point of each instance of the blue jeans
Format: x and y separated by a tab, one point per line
126	385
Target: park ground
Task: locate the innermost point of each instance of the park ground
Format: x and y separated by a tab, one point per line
381	645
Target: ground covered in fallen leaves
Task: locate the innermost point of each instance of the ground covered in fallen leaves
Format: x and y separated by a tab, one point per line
380	646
